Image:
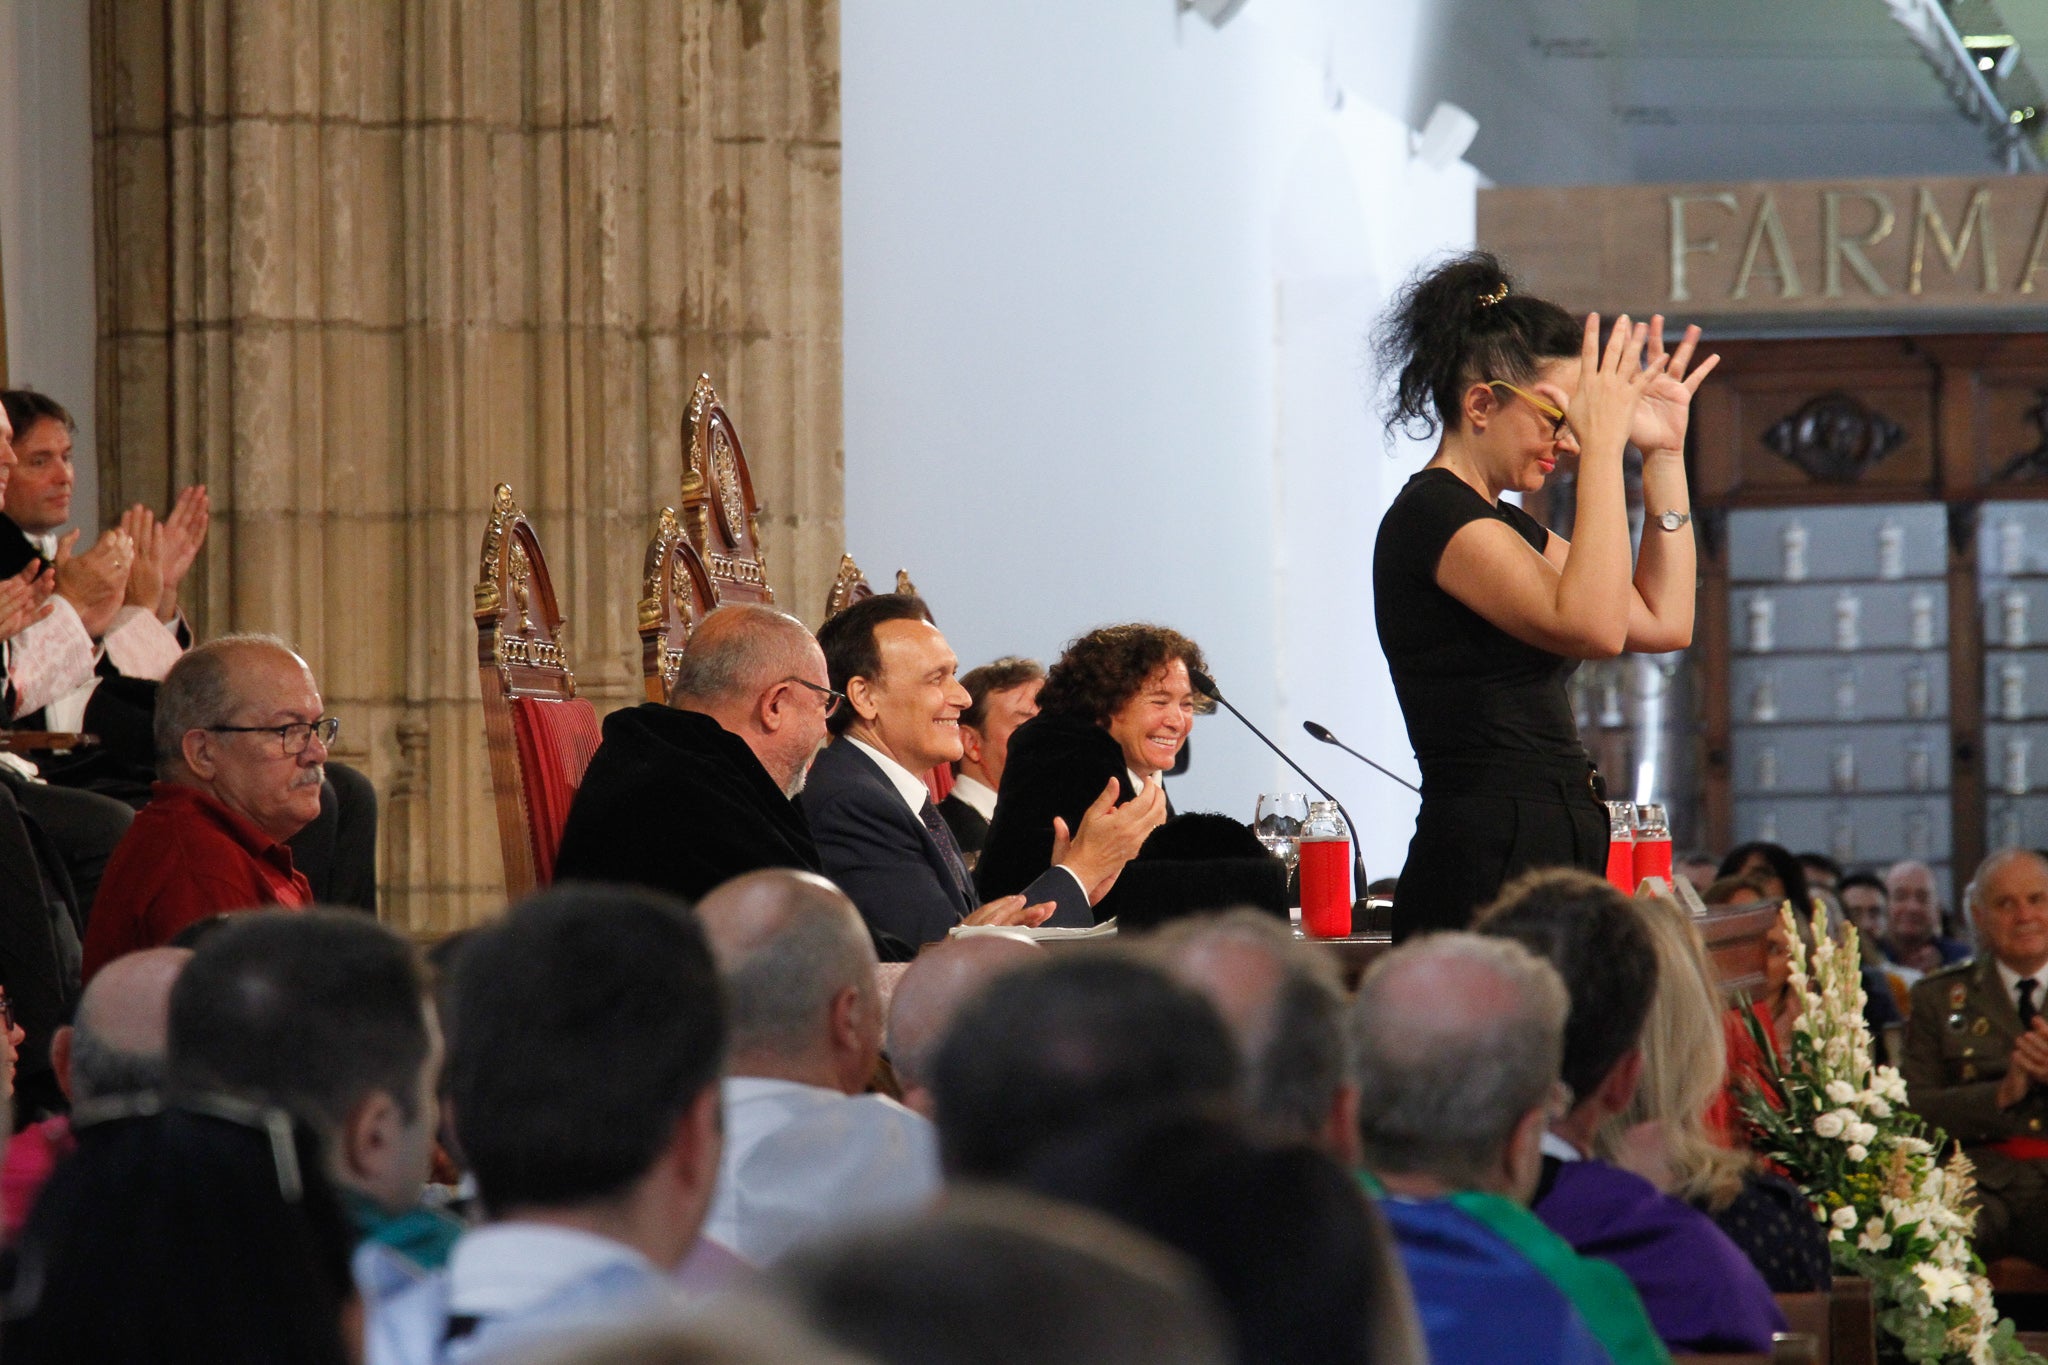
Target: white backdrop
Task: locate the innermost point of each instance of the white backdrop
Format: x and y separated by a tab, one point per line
1109	276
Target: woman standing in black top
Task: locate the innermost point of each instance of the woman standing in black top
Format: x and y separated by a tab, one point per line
1482	612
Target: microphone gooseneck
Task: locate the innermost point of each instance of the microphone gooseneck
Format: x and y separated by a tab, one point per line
1322	732
1206	685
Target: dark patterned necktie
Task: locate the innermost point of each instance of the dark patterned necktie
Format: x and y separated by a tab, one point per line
2027	1007
935	825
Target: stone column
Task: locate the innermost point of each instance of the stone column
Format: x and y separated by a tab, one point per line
358	263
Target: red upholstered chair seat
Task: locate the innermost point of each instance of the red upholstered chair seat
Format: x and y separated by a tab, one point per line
556	739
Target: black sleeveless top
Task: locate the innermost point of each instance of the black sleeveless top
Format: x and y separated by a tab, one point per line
1467	688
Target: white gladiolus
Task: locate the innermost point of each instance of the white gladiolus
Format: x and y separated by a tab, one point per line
1857	1151
1845	1218
1859	1131
1841	1092
1874	1238
1829	1125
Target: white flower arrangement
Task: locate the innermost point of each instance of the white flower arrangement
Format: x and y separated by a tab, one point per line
1838	1124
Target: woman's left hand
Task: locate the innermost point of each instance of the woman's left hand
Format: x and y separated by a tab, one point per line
1661	415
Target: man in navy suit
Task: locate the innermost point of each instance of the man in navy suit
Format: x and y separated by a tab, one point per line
877	830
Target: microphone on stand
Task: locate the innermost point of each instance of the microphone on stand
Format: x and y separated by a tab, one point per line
1322	732
1206	685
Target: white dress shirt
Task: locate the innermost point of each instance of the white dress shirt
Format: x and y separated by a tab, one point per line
2010	979
801	1160
976	794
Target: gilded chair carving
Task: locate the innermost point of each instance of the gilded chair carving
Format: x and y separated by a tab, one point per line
719	512
676	592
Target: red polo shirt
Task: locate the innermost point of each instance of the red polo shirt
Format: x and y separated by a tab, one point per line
186	857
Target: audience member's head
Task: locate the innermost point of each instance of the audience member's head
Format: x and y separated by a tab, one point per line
1698	867
1006	1279
1772	864
1457	1041
1591	934
927	996
758	673
1822	872
2009	905
115	1043
585	1039
324	1013
1739	890
798	966
1002	696
186	1235
1284	1003
1913	905
1685	1064
38	492
239	718
1864	903
1055	1048
897	672
1133	681
1300	1258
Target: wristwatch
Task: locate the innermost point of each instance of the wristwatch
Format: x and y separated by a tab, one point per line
1671	521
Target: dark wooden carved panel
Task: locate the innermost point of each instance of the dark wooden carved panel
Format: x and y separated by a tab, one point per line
1834	437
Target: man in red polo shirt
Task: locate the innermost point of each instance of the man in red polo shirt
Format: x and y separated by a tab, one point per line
239	746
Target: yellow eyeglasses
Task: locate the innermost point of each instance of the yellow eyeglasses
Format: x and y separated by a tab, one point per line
1558	422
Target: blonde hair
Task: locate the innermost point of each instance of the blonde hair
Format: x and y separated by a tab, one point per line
1685	1063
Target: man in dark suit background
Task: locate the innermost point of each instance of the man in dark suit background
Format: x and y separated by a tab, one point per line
877	828
1003	696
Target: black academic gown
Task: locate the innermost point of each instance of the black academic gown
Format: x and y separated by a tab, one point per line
675	801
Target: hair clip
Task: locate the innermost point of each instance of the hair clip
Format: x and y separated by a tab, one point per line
1488	300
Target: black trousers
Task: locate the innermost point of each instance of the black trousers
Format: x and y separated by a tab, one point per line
1486	821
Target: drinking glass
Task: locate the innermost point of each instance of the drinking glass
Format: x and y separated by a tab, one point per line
1278	824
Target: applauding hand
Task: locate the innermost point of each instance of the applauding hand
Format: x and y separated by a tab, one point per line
1661	416
1611	386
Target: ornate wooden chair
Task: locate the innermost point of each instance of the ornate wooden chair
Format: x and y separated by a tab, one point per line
720	514
676	593
540	734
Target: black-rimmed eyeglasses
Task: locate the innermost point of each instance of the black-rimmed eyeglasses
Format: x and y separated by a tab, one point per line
294	737
832	699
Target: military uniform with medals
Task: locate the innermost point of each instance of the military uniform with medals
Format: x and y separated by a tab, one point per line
1958	1046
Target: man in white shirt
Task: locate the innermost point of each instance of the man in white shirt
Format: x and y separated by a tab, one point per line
878	831
805	1150
1003	696
585	1039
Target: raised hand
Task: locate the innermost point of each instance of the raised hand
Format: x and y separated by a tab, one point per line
146	574
184	532
1661	417
1612	381
25	599
1110	835
95	582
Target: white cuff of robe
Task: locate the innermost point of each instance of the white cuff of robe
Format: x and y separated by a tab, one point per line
48	659
139	645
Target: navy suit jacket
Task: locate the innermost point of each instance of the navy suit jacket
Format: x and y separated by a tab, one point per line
879	852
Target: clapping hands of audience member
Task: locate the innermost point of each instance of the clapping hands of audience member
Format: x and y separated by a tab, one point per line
95	582
184	532
146	574
25	599
2029	1064
1012	910
1110	836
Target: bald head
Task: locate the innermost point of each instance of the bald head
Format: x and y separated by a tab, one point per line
117	1043
798	966
943	977
1458	1037
737	651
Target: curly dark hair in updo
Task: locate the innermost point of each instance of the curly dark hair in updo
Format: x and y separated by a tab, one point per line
1456	325
1105	668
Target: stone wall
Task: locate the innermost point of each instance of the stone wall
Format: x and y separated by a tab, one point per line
357	263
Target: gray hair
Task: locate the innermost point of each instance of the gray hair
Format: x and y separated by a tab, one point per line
736	651
779	985
99	1069
199	692
1295	1045
1973	894
1458	1036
